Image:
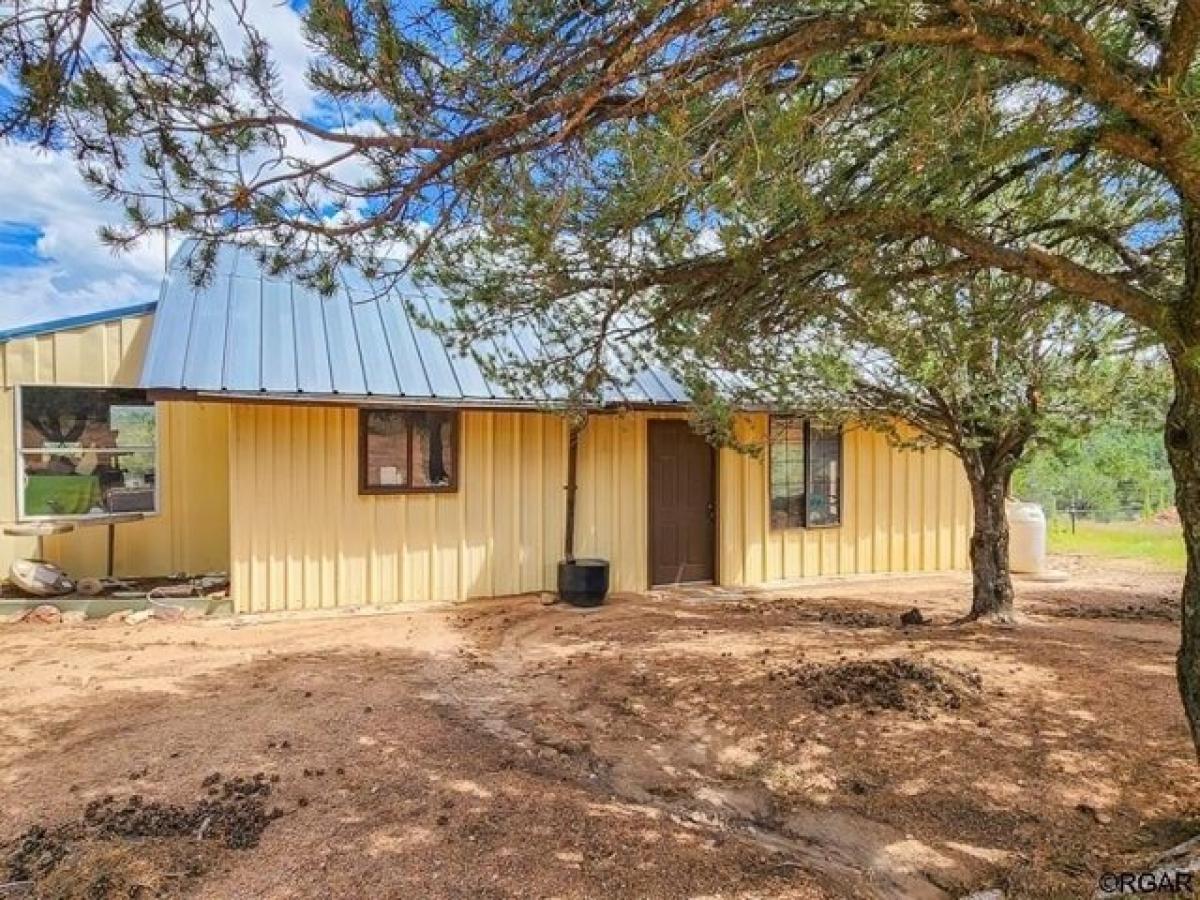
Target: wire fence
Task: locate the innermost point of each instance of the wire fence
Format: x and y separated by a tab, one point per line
1071	516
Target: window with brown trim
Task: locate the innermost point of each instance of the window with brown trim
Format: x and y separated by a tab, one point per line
407	451
805	474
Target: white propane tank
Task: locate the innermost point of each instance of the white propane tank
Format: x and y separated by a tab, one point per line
1026	537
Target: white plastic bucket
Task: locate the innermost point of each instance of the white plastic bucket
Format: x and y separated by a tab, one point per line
1026	537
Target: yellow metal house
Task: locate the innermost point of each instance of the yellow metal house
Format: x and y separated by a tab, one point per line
330	452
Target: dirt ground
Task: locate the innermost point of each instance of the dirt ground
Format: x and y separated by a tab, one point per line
788	744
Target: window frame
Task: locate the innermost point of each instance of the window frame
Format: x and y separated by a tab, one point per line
841	474
366	489
771	419
807	441
20	453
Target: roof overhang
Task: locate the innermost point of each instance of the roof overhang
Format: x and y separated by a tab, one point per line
399	402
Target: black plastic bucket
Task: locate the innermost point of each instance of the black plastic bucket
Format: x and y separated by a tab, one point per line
583	582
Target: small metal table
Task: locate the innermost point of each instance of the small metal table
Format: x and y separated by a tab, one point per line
43	528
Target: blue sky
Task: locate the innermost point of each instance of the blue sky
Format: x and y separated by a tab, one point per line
52	263
18	245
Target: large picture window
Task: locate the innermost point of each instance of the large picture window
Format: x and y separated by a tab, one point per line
805	474
86	452
407	451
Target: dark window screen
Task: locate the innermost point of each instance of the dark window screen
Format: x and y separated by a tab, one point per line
824	476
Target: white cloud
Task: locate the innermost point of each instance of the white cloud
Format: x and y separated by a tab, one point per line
42	293
74	273
283	29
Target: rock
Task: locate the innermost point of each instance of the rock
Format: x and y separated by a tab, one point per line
89	586
168	613
1099	816
990	894
44	615
118	617
73	617
137	618
913	617
1184	856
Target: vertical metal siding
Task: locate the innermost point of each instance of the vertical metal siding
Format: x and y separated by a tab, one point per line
902	511
303	538
612	501
191	531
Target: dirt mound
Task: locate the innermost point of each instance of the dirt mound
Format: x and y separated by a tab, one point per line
138	848
899	685
1164	610
847	618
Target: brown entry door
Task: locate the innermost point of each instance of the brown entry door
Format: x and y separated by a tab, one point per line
682	504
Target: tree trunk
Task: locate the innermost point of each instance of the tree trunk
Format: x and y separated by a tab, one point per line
992	590
572	488
1183	450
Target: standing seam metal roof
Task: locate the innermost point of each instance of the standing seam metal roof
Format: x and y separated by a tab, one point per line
248	333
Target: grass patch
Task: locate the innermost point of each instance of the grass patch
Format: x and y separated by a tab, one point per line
1150	541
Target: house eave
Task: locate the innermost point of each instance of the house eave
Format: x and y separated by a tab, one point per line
382	401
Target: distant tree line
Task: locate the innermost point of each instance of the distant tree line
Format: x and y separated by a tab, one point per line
1114	472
